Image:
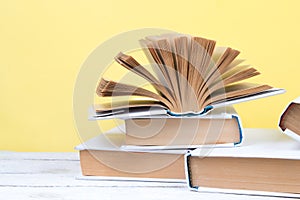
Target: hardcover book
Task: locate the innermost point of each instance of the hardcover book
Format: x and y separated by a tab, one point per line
222	127
289	121
104	158
267	161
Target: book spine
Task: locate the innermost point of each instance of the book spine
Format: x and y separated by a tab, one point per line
188	172
239	121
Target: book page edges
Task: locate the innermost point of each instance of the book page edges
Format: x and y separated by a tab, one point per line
230	115
270	92
230	191
287	131
102	141
127	115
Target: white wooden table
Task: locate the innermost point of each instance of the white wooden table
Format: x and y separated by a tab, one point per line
53	176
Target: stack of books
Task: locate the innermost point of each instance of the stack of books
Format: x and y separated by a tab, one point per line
184	129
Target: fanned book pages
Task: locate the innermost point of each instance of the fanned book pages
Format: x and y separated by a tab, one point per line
189	75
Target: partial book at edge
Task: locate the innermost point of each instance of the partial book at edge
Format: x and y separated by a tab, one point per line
289	121
267	163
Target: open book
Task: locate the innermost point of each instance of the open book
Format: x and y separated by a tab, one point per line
190	76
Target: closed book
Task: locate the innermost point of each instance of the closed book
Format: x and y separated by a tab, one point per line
290	118
222	126
267	162
103	156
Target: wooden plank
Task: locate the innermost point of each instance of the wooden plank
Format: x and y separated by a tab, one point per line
51	173
74	193
59	167
70	180
9	155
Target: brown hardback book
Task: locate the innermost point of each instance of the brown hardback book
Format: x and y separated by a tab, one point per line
189	75
289	121
219	127
103	157
267	161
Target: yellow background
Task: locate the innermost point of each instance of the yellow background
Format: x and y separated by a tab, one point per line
44	43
